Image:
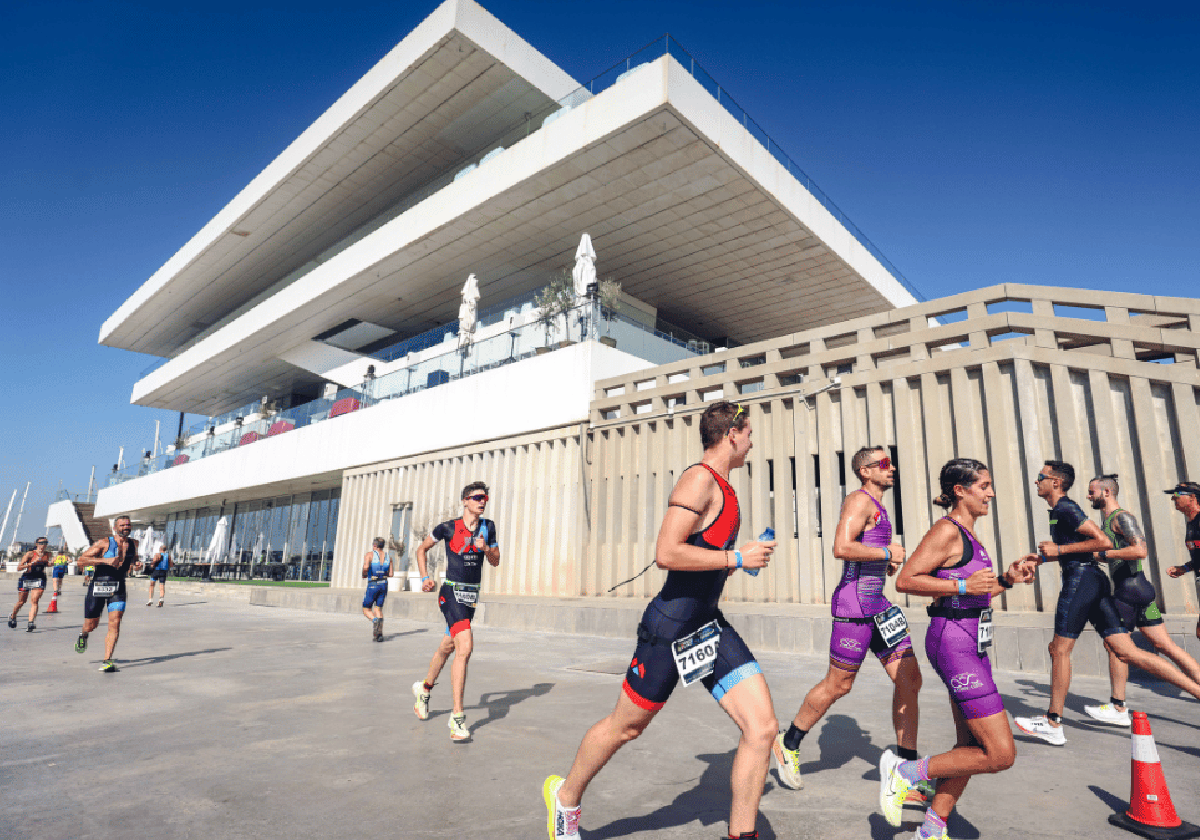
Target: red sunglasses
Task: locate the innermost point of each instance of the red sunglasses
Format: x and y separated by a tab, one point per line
478	498
882	463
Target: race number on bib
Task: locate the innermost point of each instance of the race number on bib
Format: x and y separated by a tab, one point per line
893	626
983	637
33	583
466	593
105	588
696	653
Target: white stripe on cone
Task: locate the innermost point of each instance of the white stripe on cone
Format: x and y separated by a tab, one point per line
1144	749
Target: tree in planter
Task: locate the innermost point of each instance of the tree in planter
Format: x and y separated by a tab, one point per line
610	296
556	299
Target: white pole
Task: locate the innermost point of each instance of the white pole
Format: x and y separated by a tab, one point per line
154	452
4	527
17	527
121	459
91	482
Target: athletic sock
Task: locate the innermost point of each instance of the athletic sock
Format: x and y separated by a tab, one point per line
933	827
746	835
428	688
914	771
1120	704
1054	719
907	754
793	737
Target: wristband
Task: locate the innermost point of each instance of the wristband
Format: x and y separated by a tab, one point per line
738	556
1004	581
887	554
424	578
1103	555
962	587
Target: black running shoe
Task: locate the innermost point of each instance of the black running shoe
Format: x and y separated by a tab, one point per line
12	622
109	667
31	627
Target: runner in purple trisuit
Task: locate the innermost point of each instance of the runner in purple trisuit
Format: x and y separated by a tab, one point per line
951	566
862	617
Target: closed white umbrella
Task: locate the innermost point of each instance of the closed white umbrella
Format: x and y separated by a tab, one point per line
217	545
467	312
584	273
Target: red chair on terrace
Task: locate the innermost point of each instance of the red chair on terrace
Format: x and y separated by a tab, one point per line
250	437
279	427
180	459
344	406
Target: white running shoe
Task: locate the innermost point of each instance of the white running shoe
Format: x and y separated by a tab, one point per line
421	707
893	788
458	728
789	764
1110	714
1041	727
560	822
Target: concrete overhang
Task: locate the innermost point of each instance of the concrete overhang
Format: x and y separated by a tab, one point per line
685	207
425	108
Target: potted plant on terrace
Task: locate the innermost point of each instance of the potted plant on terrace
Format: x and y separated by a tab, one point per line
610	296
555	300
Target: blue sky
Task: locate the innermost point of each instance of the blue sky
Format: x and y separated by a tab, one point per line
974	143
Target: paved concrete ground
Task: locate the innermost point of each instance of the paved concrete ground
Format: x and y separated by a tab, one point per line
234	721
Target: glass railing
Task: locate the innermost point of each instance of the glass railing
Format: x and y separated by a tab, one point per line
69	496
579	324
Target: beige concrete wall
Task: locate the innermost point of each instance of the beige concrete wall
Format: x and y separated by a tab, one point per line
578	507
1010	388
534	484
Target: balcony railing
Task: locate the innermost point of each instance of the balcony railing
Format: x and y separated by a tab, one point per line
426	371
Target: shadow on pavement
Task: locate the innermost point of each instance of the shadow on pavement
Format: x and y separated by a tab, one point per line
499	703
389	636
841	740
156	660
707	802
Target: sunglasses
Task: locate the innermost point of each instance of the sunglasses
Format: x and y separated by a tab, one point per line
882	463
41	542
478	498
1178	494
1041	478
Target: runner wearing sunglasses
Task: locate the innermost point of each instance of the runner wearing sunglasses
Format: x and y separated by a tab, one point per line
1186	497
862	618
469	540
32	571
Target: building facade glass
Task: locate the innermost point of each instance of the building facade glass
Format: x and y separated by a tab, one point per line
285	537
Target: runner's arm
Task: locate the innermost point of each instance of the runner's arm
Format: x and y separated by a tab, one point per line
1127	526
939	546
92	555
690	504
425	545
366	569
856	513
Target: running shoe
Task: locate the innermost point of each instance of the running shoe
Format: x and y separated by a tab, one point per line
1041	727
31	627
160	603
149	603
109	667
789	764
12	622
1110	714
458	728
421	707
81	643
560	821
893	788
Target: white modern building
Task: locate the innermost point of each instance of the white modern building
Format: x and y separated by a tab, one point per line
315	320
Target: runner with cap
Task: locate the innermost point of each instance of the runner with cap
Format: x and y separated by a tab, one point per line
1186	496
31	582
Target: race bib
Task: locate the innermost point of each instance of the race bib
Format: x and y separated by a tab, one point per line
105	588
983	637
893	626
33	583
466	593
696	653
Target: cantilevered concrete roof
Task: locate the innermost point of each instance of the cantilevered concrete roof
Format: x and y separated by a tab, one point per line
684	206
423	109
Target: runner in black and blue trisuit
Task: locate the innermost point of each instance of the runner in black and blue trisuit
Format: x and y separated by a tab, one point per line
1085	597
158	574
377	568
1134	597
32	570
469	540
113	557
684	637
1186	496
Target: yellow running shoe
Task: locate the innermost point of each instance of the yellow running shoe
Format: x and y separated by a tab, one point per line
458	727
789	764
893	788
560	822
421	707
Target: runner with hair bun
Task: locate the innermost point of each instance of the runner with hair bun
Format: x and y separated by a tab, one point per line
951	566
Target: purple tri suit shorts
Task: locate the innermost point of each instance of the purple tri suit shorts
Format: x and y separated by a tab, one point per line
852	637
951	646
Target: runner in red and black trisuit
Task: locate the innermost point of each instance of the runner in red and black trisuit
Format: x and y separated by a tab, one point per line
683	636
469	540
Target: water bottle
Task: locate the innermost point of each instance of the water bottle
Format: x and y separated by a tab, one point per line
766	536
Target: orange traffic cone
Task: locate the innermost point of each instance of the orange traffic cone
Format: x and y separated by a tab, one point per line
53	608
1151	813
